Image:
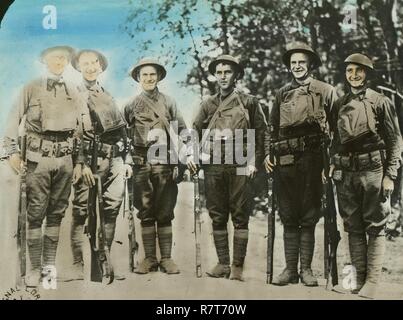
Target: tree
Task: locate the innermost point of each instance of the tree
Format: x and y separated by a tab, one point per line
257	32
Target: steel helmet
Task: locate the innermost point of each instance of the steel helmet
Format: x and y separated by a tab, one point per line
226	58
134	72
360	59
299	46
101	58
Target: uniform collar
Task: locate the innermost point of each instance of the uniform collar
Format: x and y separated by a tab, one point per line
360	95
54	77
295	84
154	95
51	81
92	86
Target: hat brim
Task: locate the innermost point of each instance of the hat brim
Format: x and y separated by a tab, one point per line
212	67
102	59
68	49
136	70
315	60
370	72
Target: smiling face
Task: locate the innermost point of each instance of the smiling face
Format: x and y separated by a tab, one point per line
226	75
56	61
148	78
356	75
89	66
299	65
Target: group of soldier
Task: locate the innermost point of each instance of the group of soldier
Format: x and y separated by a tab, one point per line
60	121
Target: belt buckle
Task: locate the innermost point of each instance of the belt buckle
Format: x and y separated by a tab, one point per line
302	144
56	149
46	148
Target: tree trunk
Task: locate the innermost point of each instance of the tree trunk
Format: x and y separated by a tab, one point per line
224	28
384	14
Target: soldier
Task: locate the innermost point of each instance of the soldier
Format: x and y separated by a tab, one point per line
228	192
102	117
154	185
51	109
366	156
298	122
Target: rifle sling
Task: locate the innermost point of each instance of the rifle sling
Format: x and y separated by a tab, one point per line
156	107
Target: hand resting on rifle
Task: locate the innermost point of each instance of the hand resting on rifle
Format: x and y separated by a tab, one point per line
192	166
77	173
269	166
87	176
387	187
15	162
128	171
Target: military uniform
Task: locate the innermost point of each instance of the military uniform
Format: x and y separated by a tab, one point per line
102	117
52	108
227	191
365	148
298	124
155	191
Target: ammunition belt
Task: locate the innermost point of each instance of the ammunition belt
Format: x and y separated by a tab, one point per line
295	145
53	136
360	161
37	147
139	156
104	150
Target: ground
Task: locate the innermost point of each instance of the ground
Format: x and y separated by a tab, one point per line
186	285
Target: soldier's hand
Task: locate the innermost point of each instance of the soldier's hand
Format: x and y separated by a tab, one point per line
128	171
175	173
269	166
192	166
88	177
251	171
387	187
15	162
77	173
331	170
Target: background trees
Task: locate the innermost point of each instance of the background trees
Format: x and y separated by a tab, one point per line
256	31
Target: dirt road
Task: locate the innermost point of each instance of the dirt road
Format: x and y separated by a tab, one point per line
185	285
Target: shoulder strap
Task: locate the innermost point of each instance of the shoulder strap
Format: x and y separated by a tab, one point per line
221	106
244	109
372	96
161	116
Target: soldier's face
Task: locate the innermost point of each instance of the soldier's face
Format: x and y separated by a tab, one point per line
56	61
355	75
148	78
299	65
89	66
225	75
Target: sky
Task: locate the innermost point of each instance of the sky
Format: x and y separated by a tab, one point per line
92	24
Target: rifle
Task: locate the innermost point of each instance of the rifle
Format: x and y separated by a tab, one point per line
98	261
105	257
331	234
22	215
133	245
197	223
271	220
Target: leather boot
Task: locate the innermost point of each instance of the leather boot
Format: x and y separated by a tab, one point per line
34	242
291	251
240	246
167	265
150	262
375	256
307	246
222	269
357	243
